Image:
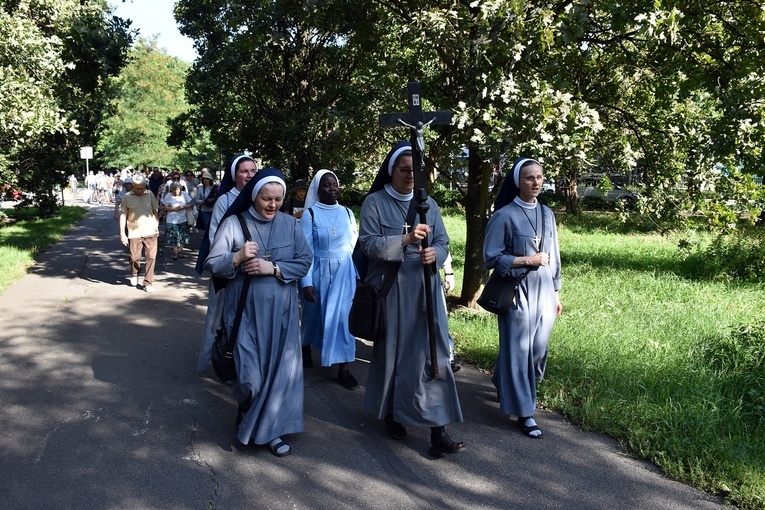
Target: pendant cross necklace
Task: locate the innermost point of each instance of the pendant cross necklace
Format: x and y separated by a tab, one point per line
536	236
334	229
267	256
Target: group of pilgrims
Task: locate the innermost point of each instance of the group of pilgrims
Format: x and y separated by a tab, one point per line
302	280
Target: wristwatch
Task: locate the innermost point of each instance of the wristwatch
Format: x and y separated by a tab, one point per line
275	267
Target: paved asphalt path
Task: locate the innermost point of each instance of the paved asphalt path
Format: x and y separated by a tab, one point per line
102	408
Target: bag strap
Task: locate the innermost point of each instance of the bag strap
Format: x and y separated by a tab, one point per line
542	241
245	288
347	211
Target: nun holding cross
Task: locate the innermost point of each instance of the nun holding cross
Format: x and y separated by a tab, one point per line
400	388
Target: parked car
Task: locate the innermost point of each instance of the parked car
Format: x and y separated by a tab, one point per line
615	195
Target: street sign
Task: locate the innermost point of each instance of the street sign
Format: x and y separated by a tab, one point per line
86	152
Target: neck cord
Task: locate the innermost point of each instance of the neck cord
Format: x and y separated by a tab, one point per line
267	256
326	215
533	225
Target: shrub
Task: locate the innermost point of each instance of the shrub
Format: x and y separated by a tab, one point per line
737	361
595	204
604	184
444	196
554	200
352	196
738	255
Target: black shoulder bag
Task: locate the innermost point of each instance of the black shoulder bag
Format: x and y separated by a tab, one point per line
499	292
368	316
225	343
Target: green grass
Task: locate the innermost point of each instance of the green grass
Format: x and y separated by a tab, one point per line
670	364
22	240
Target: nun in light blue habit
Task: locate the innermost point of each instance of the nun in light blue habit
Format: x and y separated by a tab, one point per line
328	288
269	385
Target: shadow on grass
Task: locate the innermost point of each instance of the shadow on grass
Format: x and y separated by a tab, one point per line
641	262
591	222
37	235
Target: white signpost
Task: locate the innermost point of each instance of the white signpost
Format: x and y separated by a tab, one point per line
86	153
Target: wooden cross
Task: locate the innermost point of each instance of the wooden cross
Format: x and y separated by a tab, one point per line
416	120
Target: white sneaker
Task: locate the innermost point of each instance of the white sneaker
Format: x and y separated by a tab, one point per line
133	281
148	288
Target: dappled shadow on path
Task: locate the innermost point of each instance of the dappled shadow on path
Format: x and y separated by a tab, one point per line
103	408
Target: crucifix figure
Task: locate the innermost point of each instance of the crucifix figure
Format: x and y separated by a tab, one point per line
417	120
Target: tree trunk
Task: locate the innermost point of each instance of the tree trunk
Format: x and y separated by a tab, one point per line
476	215
570	191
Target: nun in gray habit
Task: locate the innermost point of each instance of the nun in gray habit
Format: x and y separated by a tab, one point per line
399	388
514	244
269	385
234	180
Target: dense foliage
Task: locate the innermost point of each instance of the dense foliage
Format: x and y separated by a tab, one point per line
285	79
55	58
668	94
148	93
660	92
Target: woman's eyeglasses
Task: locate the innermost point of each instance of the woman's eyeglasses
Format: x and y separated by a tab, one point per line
404	170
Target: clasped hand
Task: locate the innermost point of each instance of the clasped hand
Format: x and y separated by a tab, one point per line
246	256
419	233
540	259
258	267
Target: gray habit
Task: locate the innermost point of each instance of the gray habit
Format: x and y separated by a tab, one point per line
215	298
268	356
399	380
524	331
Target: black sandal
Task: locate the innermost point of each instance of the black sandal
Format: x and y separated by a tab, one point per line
442	444
527	431
275	449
